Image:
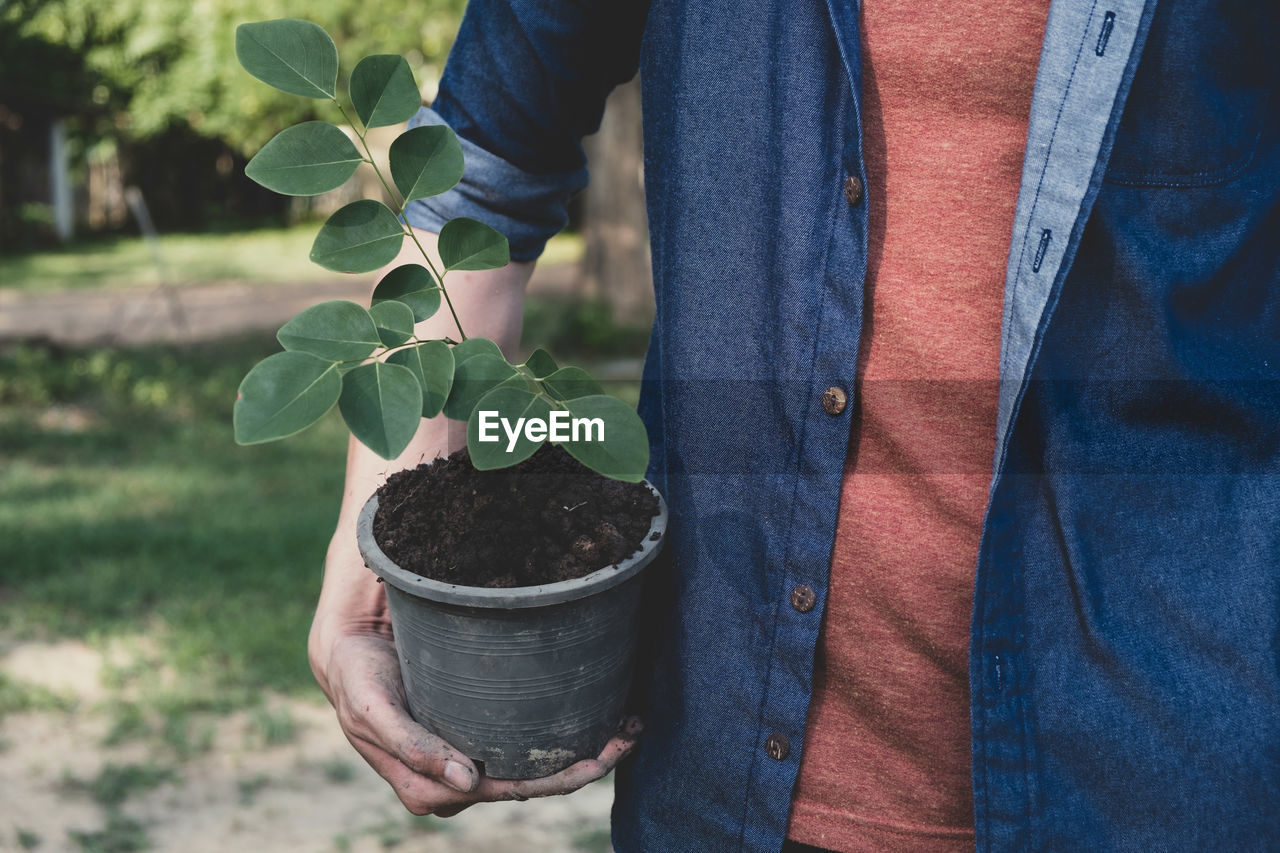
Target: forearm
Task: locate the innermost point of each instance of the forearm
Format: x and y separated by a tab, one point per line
489	304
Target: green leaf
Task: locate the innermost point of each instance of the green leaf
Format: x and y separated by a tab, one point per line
512	404
283	394
306	159
426	161
432	364
475	377
541	364
294	56
412	285
624	452
569	382
382	405
466	244
359	237
394	321
383	91
337	330
473	347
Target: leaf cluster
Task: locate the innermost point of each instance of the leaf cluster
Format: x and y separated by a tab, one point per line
150	65
370	362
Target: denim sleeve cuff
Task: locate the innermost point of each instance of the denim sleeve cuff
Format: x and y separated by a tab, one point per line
527	208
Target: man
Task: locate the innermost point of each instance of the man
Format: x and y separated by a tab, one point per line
824	183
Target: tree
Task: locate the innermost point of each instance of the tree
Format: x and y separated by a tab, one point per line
154	87
169	63
616	265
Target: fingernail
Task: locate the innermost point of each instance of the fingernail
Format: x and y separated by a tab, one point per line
634	726
459	777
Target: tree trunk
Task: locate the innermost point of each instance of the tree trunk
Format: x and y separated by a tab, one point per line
616	264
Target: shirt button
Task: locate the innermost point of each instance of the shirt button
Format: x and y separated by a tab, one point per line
853	190
777	746
803	598
834	400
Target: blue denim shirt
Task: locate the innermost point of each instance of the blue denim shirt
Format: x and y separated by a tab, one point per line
1125	658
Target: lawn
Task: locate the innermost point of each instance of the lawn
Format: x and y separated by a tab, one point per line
131	521
265	255
261	255
127	510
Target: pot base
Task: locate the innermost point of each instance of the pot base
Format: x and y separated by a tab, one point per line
528	692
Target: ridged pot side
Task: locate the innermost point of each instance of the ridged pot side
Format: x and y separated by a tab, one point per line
527	680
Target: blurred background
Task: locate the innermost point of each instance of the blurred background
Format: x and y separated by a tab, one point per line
156	580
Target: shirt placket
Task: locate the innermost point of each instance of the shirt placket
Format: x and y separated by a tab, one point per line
809	497
1090	53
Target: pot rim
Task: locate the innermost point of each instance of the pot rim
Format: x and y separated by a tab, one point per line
511	597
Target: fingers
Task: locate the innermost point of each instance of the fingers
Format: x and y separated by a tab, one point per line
422	795
419	794
572	777
390	727
370	704
427	774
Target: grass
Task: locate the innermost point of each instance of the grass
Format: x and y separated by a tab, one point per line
116	783
128	515
392	832
174	717
262	255
126	507
127	511
584	328
120	834
339	771
110	789
127	722
180	732
250	786
564	248
274	727
18	696
596	840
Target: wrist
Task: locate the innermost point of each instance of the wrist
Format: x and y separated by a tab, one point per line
352	604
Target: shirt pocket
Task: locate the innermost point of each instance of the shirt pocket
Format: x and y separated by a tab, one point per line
1201	95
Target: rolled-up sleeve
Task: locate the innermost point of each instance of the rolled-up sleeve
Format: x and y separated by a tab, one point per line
526	80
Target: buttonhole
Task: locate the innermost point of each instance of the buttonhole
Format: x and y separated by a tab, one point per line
1108	23
1045	236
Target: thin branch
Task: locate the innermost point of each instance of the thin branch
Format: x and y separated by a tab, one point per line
401	204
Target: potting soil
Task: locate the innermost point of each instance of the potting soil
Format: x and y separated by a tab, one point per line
547	519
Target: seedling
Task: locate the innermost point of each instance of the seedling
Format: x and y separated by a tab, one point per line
383	377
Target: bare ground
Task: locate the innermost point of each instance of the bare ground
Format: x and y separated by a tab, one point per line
189	312
307	795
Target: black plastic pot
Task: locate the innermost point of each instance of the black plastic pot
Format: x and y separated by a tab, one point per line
527	680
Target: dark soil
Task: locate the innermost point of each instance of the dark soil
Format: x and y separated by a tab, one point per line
548	519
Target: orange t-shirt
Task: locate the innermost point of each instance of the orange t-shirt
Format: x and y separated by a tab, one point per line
946	97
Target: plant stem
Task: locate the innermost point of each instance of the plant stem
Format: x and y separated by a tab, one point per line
438	276
401	204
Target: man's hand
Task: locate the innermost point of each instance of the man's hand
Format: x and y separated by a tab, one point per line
430	776
351	650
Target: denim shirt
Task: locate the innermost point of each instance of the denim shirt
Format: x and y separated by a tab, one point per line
1125	657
